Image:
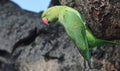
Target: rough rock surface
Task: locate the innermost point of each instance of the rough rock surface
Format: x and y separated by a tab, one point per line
42	48
101	15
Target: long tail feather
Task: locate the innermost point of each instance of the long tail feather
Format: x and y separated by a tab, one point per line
105	42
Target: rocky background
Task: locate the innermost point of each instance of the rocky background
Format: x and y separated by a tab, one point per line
41	48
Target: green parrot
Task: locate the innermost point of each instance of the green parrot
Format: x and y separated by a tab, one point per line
75	27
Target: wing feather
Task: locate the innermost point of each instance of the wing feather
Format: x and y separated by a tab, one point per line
75	29
74	26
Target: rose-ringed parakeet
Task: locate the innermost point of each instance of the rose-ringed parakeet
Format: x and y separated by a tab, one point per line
51	15
75	28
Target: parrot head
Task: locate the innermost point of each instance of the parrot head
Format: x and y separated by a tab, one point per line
50	15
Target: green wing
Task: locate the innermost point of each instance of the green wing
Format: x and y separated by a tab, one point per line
74	28
76	31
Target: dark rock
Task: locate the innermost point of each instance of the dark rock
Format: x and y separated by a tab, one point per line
3	1
26	44
103	19
54	2
32	45
101	16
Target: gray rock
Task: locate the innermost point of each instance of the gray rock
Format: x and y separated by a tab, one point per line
26	44
34	46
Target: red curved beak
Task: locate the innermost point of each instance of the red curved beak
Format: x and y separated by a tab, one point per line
45	21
